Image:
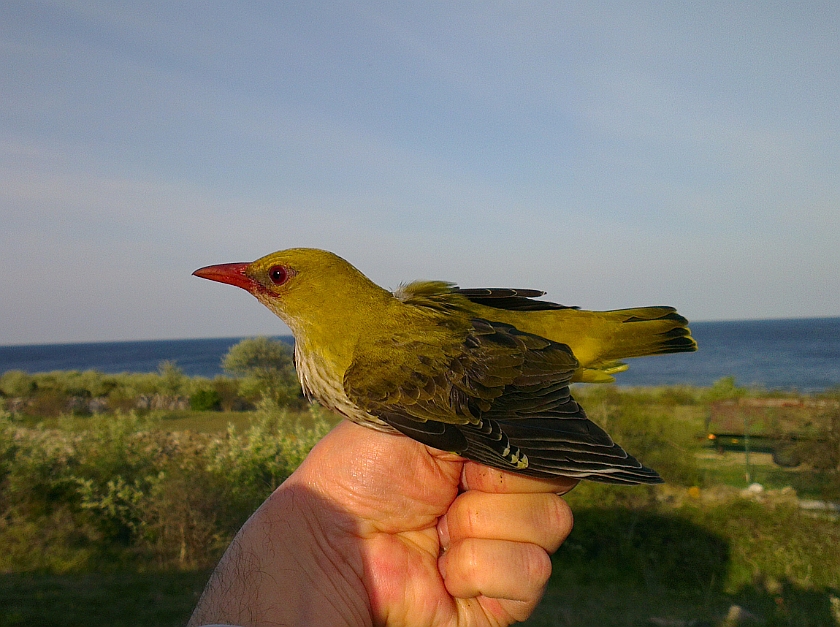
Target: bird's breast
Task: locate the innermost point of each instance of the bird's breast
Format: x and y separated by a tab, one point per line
321	383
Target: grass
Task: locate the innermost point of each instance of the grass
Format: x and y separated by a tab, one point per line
162	599
607	604
689	563
730	469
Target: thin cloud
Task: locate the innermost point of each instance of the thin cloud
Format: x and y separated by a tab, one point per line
614	155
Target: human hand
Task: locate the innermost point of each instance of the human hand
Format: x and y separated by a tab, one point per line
376	529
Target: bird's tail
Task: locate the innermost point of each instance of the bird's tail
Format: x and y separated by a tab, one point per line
625	333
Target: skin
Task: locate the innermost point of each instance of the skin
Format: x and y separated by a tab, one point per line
377	529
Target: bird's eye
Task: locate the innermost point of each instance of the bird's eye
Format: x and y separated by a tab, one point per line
278	275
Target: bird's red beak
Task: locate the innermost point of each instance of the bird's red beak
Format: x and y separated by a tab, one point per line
231	273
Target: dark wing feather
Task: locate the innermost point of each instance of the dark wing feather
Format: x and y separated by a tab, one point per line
500	397
508	298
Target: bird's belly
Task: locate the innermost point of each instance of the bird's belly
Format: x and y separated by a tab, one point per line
319	384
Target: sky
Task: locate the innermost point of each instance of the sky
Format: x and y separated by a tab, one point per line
613	154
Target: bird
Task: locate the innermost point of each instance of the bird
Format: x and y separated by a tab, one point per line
483	373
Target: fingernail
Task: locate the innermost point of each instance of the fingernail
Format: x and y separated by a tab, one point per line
443	532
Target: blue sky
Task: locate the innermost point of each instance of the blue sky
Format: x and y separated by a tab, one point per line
614	154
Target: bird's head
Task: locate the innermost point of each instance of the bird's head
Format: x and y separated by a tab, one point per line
305	287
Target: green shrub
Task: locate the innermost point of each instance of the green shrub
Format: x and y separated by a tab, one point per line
124	492
724	389
228	391
8	452
91	383
266	368
172	378
205	400
831	418
16	383
677	395
258	460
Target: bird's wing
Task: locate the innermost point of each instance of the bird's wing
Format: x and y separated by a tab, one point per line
439	295
508	298
498	396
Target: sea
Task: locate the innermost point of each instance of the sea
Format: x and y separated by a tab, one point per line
798	354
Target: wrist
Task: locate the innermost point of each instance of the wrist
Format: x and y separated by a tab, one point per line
292	563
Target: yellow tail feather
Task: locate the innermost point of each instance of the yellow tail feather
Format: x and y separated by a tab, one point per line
626	333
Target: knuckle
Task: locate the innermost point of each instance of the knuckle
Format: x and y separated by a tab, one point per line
468	560
472	521
559	514
467	519
557	518
537	567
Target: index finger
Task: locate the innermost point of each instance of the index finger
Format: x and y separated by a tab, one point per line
476	476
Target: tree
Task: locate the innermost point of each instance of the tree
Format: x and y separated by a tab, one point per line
172	378
267	368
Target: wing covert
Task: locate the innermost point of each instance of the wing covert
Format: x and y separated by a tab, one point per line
498	396
508	298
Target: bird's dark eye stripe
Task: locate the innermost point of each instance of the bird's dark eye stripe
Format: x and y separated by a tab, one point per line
278	275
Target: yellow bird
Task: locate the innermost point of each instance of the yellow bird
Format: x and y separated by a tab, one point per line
483	373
